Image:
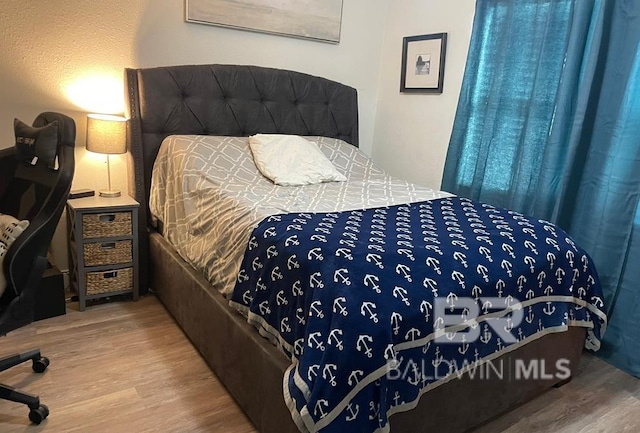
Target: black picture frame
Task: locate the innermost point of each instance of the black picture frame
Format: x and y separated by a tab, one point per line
423	57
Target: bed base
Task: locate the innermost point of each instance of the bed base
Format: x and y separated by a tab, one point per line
252	369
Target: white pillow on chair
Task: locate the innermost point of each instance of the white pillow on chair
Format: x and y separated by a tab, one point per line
10	229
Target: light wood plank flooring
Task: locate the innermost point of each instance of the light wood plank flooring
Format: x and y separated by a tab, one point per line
118	367
127	367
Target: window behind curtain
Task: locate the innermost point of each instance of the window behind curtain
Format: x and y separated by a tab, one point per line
508	97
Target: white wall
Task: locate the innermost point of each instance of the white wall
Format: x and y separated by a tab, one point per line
69	56
412	130
50	51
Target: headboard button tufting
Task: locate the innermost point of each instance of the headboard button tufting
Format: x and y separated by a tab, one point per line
168	100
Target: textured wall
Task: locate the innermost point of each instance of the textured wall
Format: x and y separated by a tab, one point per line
412	131
68	55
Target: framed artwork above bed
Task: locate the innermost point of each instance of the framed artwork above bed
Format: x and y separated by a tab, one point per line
311	19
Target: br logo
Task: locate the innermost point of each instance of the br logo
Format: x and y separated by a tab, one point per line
465	321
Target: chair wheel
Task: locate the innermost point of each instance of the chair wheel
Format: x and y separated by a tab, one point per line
38	415
40	365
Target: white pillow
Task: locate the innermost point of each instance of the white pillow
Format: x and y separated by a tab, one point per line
292	160
10	229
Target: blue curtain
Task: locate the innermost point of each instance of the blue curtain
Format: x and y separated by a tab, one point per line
548	123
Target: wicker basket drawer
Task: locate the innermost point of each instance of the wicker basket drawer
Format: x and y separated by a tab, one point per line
105	225
107	253
118	280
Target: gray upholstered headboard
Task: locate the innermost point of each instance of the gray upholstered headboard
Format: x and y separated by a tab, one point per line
226	100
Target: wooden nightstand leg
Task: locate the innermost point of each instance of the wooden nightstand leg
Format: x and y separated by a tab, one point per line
82	276
136	259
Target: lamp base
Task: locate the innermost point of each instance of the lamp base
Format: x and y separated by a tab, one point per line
109	193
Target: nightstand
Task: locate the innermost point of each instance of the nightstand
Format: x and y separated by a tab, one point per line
103	247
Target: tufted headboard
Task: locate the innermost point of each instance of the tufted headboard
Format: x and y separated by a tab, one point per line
226	100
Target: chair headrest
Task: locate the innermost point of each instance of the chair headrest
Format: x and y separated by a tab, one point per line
66	126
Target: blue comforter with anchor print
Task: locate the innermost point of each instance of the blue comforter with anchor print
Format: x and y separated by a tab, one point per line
377	306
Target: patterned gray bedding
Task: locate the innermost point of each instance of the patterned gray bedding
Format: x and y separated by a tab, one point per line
209	195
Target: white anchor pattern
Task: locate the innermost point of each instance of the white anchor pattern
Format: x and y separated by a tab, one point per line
349	296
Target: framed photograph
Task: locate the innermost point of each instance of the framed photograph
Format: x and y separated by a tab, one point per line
309	19
423	63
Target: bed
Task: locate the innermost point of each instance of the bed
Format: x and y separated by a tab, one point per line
240	101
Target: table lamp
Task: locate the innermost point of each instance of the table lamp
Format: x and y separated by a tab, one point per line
107	135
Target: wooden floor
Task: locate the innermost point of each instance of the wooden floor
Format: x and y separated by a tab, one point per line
127	367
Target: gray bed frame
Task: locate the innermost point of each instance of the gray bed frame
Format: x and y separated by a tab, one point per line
241	101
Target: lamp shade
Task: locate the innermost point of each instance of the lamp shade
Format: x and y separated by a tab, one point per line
106	134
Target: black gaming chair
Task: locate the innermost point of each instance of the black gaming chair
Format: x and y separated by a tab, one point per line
37	193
